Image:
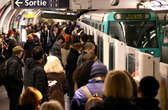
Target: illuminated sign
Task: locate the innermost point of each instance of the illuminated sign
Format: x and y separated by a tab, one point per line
29	15
41	4
131	16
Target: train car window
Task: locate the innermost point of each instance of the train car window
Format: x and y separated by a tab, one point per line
103	28
96	26
98	43
116	31
141	34
101	49
99	26
130	63
165	39
111	56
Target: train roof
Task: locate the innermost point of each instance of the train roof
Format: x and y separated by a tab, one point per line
118	10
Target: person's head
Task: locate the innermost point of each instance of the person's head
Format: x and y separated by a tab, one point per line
89	47
17	51
148	86
30	37
56	29
117	85
51	105
31	96
98	69
83	37
81	75
89	56
11	33
53	65
38	53
78	46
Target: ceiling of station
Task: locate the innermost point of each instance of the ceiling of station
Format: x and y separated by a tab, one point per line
3	2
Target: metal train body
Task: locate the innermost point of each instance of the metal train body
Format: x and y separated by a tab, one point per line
125	26
116	52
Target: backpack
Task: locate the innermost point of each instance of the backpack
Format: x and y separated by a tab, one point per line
92	99
3	72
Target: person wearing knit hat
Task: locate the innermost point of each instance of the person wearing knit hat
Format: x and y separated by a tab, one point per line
98	69
14	82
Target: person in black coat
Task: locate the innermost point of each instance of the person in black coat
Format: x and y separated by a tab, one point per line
35	75
2	51
71	65
14	80
44	38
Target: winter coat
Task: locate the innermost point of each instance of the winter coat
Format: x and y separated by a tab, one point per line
56	50
80	58
71	62
79	99
14	72
27	69
110	103
147	103
70	67
57	91
37	78
28	47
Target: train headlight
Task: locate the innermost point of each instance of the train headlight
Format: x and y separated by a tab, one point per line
118	16
152	52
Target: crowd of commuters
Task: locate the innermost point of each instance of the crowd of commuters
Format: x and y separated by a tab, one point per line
59	59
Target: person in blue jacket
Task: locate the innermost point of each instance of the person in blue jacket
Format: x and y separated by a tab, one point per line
95	85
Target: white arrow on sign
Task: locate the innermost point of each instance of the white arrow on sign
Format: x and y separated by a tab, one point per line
18	3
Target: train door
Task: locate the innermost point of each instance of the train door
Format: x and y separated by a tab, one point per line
164	44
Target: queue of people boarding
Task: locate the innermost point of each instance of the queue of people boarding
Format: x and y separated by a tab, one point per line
61	59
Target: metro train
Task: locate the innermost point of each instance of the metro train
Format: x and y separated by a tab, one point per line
134	28
128	40
137	28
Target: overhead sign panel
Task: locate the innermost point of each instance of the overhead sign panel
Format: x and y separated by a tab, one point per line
41	4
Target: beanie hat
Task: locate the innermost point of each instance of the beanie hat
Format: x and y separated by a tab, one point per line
98	69
17	49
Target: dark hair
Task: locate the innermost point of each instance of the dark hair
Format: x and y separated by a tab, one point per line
37	53
88	56
149	86
84	37
81	74
88	45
